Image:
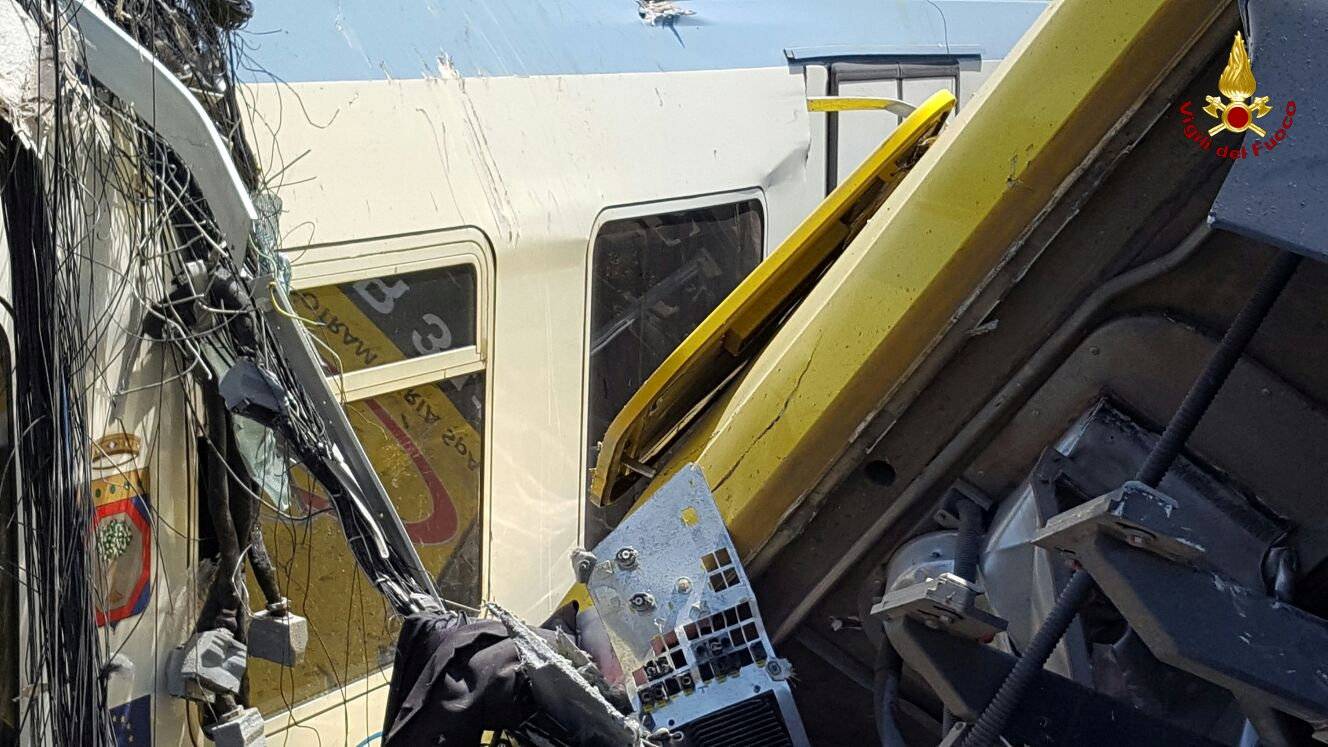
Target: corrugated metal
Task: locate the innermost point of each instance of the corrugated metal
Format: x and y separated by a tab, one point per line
752	723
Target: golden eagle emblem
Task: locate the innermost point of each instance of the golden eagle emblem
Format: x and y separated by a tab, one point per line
1237	83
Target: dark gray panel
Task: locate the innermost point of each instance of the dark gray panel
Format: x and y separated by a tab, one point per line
1278	196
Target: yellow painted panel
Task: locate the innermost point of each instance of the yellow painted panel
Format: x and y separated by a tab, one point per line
725	339
894	290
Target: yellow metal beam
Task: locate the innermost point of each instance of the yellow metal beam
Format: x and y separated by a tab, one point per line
882	304
728	337
858	103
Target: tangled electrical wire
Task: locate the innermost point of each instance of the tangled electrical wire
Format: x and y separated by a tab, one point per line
101	168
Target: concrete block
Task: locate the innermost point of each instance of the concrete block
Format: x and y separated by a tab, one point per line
211	662
278	637
240	728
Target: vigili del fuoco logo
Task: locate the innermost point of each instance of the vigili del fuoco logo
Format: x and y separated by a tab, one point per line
1238	110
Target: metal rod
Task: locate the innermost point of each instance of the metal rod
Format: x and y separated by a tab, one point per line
1163	454
1219	367
992	417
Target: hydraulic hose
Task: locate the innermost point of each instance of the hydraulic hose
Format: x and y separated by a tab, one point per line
968	543
1002	706
1163	454
885	691
222	608
968	547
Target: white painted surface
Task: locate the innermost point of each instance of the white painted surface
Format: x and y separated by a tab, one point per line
530	163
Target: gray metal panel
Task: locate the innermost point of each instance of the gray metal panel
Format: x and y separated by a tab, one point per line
935	67
1278	196
665	541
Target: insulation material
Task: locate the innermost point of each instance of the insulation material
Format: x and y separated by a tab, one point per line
27	77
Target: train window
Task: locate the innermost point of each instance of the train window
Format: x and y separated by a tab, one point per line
410	349
854	135
377	320
653	279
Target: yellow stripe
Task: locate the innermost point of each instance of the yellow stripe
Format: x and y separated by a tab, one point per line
847	103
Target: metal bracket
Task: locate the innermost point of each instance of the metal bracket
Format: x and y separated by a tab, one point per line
1188	579
966	674
1199	534
948	514
946	602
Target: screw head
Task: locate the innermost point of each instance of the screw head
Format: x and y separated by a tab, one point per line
626	558
684	585
642	602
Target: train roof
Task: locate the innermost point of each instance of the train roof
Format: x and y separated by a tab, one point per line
327	40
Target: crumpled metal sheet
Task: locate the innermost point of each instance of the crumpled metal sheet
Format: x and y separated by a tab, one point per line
1276	194
555	673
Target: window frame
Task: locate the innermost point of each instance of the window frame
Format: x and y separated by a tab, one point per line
863	68
640	210
384	256
332	264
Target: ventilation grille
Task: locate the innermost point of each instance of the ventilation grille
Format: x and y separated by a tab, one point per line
756	722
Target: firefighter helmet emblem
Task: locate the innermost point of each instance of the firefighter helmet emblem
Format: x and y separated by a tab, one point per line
1237	84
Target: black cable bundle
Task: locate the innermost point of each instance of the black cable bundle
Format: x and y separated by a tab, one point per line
192	38
63	652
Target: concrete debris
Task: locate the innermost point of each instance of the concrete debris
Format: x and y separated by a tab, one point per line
278	635
209	664
656	12
27	75
243	727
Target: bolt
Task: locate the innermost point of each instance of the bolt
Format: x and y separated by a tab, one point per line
845	623
684	585
642	602
773	668
626	558
1137	539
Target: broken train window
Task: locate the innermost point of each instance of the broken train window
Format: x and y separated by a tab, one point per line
403	344
654	278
